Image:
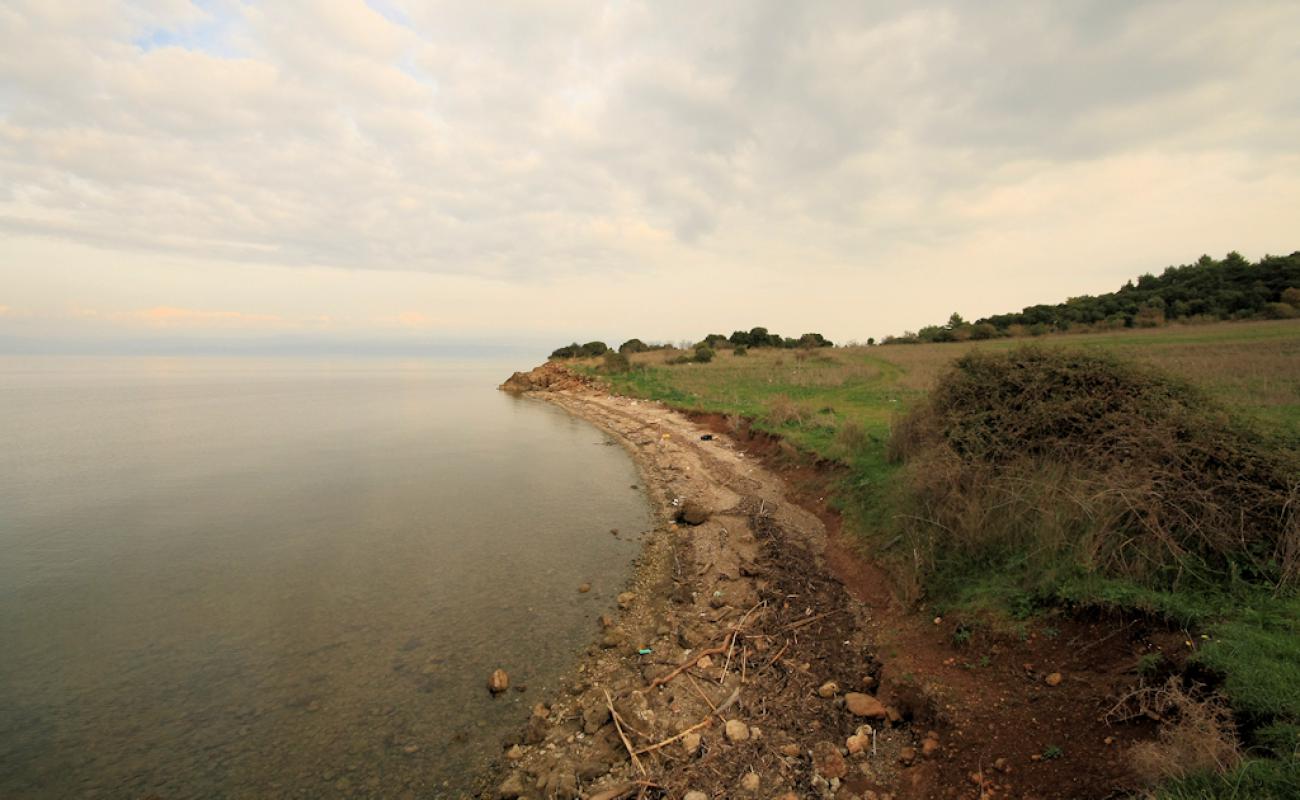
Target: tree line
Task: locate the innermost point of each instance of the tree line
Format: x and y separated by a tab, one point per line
739	341
1207	290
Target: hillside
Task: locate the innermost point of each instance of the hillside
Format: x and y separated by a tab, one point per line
1207	290
1121	497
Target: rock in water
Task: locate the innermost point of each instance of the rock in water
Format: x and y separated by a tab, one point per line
864	705
498	681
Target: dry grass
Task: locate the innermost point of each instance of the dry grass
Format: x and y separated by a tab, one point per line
1197	735
782	411
1098	465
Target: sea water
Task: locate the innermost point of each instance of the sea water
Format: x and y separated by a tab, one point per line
288	578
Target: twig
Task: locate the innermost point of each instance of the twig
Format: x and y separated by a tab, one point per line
744	662
795	625
779	653
730	701
623	736
706	722
731	649
695	657
702	693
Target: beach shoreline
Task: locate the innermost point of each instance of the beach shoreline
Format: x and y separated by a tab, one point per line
736	665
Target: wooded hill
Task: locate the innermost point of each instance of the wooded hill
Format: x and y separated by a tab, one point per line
1208	290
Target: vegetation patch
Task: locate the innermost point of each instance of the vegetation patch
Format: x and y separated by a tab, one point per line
1056	463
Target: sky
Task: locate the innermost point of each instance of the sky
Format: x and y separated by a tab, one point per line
383	174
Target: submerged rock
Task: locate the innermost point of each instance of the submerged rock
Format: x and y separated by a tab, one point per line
498	681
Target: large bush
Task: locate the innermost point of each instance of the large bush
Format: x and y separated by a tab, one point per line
1073	460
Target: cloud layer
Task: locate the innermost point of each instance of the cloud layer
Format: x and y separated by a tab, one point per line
858	167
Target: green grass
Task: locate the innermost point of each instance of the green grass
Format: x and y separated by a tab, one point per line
1256	779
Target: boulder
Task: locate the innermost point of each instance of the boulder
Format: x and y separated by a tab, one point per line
498	681
864	705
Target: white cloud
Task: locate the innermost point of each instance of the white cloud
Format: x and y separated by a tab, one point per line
493	153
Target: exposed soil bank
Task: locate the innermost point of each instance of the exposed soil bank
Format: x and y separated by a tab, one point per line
757	655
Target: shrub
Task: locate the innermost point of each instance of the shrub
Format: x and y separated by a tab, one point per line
1197	735
1076	461
851	438
616	362
633	346
740	350
1291	296
594	349
1280	311
703	354
782	411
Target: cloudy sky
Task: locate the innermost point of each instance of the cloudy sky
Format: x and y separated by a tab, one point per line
371	171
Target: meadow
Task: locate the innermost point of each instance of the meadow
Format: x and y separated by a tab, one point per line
1252	368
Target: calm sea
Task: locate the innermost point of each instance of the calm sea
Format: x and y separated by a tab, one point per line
234	578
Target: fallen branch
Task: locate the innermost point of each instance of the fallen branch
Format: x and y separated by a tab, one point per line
636	762
695	657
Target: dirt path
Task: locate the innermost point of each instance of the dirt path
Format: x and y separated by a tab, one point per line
740	665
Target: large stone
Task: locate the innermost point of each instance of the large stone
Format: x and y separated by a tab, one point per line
691	743
864	705
512	787
828	762
498	681
737	731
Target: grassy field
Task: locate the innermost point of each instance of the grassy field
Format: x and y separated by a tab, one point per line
1252	368
842	404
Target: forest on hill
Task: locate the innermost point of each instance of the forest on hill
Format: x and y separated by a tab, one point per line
1208	290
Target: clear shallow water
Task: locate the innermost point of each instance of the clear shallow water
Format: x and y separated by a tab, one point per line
228	578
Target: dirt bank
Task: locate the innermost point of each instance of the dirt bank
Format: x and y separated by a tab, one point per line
740	665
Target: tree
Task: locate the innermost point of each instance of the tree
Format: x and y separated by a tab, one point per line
633	346
955	321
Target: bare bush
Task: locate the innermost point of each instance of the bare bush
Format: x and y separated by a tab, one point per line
781	410
1123	470
1197	734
